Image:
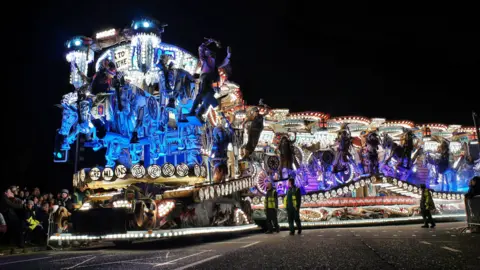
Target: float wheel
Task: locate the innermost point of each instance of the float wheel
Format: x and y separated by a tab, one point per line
139	214
273	162
151	216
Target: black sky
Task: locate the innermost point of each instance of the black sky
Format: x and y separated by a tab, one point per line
397	62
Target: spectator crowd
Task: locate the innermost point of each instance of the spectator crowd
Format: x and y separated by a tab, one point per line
24	215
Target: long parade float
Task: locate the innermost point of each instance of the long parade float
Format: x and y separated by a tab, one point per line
171	174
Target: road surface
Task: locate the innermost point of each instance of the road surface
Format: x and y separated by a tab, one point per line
385	247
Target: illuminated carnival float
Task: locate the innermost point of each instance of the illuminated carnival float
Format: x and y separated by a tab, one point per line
169	173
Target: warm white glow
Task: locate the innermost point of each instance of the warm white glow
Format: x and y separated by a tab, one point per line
86	206
122	204
107	33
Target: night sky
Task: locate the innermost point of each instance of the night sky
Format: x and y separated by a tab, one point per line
397	62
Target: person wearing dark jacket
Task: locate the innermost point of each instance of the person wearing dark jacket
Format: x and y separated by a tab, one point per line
473	191
473	187
271	207
65	201
42	214
427	205
9	211
292	202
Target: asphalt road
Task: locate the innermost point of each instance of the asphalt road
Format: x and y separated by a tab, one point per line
386	247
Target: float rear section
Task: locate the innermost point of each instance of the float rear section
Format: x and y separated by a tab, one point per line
185	155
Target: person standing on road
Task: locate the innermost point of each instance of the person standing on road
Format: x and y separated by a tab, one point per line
473	191
271	207
473	188
427	205
9	211
292	202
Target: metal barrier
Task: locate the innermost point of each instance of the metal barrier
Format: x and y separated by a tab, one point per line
54	229
472	208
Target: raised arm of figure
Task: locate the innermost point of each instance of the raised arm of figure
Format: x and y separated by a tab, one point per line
226	61
202	48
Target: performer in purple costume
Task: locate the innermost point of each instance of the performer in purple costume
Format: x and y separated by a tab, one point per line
208	75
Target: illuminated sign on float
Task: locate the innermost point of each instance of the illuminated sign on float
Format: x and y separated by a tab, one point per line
95	174
455	147
105	34
431	146
121	58
154	171
121	171
267	136
138	171
107	174
304	138
119	55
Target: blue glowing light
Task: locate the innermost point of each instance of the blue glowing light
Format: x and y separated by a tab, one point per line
59	155
146	24
78	42
135	26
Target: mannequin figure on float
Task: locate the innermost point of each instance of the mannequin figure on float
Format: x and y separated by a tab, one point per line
222	137
175	86
100	83
255	129
369	151
407	143
209	78
286	157
442	160
446	173
168	77
342	156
